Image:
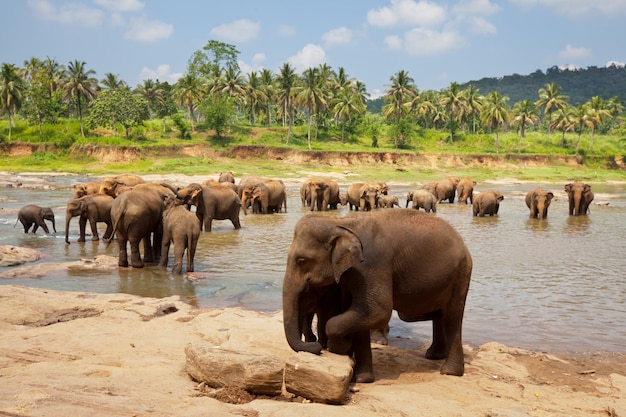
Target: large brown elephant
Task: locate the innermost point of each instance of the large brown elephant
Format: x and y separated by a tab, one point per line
218	202
320	193
92	208
35	215
422	199
226	176
109	185
181	227
487	203
465	190
86	188
538	201
137	216
401	260
265	196
446	189
580	197
364	196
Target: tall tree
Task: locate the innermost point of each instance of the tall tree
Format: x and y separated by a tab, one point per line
189	91
346	104
524	114
11	91
79	85
287	80
398	97
598	114
580	118
268	86
473	102
562	121
454	102
255	95
118	106
551	99
310	96
152	92
495	113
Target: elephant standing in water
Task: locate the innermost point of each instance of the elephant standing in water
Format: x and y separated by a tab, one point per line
402	260
217	202
33	214
465	189
538	201
93	208
181	227
422	199
487	203
580	197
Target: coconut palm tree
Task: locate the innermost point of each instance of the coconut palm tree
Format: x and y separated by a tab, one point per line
231	82
347	103
152	92
189	91
79	85
562	121
398	97
54	73
551	99
255	95
524	114
12	87
473	102
495	113
287	80
581	117
598	114
112	81
310	95
268	85
454	102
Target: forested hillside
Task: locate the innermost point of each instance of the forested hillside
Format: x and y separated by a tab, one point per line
579	85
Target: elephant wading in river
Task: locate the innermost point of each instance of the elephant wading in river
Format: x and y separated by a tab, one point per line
465	190
93	208
487	203
446	189
319	193
363	196
137	216
422	199
218	202
33	214
265	196
580	197
181	227
401	260
109	185
538	201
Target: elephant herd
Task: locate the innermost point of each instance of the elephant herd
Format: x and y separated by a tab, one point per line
159	214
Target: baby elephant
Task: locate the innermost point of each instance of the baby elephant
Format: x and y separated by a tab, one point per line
538	201
32	214
182	227
422	199
487	203
388	201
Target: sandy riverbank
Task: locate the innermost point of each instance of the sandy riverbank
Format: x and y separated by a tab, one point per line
69	354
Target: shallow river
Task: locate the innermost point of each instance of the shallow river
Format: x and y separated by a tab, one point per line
556	284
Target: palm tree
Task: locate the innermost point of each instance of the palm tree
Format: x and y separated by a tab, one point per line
231	83
268	85
151	92
287	80
54	73
79	84
454	102
551	99
563	122
524	113
598	113
310	96
31	66
580	117
188	91
12	89
255	95
495	113
399	96
112	81
473	102
345	104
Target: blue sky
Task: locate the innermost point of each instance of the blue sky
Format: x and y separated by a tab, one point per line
437	42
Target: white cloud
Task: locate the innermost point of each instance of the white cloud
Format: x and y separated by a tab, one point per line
481	26
571	52
162	73
475	7
339	36
309	56
144	30
258	58
421	41
393	42
578	7
242	30
69	13
407	13
120	5
617	64
286	31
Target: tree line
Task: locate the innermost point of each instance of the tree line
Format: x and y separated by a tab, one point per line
214	91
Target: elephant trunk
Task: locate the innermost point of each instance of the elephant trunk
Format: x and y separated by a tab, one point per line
541	209
577	202
292	320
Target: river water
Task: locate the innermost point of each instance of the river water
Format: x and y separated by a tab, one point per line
556	285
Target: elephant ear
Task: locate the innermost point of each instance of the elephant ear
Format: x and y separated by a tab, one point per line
346	251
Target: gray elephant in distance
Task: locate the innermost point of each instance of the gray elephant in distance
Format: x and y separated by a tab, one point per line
487	203
538	201
181	227
109	185
465	190
580	197
388	201
401	260
35	215
218	202
363	196
92	208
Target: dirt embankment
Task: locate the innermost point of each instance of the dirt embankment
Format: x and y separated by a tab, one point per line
108	154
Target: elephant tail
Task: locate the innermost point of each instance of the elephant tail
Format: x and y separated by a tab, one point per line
115	226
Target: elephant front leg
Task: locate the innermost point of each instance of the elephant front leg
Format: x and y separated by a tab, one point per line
94	230
82	224
362	351
135	255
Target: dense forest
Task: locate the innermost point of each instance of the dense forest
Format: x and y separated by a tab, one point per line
580	85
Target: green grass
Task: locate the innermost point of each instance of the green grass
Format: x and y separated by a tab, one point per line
63	139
